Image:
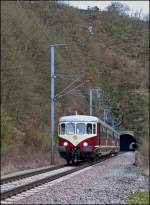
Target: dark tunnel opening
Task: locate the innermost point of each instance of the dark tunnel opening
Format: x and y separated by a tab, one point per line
127	142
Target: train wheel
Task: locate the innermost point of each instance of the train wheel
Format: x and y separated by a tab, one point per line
97	157
68	161
93	158
72	161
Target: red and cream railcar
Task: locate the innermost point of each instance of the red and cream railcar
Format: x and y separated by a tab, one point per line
83	137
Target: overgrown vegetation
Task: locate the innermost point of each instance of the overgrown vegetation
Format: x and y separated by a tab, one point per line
138	198
108	48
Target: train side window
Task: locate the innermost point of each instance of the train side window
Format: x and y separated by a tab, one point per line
89	128
102	131
94	129
109	134
62	129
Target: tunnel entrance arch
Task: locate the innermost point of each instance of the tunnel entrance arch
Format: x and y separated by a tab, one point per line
127	141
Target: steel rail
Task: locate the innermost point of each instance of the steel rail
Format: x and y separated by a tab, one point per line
29	174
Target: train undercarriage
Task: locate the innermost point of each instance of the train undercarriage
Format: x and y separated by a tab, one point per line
76	155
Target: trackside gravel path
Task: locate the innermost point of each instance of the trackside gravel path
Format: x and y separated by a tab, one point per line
109	182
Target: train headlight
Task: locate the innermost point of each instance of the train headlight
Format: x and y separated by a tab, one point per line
65	143
85	144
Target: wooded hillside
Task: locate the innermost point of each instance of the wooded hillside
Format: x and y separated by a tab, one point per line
107	49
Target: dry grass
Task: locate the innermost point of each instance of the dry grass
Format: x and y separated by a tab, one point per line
138	198
142	156
11	164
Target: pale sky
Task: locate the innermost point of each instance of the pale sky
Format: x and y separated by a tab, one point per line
133	5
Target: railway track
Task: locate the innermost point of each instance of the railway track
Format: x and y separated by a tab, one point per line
13	186
30	173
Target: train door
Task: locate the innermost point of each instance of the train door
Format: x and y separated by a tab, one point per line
98	133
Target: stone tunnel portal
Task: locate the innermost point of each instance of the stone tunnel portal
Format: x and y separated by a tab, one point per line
127	142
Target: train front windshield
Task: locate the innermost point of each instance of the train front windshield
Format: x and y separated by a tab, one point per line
70	128
80	128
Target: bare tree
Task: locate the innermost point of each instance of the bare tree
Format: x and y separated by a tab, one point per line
118	8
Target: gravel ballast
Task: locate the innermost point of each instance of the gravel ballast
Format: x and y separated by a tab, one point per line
109	182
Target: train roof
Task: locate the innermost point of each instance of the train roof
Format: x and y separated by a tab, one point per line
79	118
85	118
108	126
